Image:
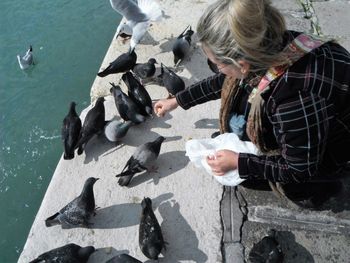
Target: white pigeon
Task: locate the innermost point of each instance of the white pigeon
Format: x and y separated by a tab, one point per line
27	60
138	17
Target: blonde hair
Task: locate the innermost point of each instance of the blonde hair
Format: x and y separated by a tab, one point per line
243	29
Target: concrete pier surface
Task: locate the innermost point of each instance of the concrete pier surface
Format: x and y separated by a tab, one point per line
201	220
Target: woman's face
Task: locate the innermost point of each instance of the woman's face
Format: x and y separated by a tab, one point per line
227	69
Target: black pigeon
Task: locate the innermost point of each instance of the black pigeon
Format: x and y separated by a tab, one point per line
266	250
70	132
182	45
70	253
138	94
172	82
151	239
141	160
94	123
78	211
127	108
123	63
123	258
115	130
145	70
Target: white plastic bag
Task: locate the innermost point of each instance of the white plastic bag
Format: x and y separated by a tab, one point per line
198	150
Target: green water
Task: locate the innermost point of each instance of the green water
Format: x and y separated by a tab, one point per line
70	39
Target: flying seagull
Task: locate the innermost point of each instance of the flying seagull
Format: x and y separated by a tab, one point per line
138	17
27	60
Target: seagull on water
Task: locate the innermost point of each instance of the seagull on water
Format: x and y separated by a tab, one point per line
27	60
138	17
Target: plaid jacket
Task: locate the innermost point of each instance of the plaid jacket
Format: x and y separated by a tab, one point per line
306	116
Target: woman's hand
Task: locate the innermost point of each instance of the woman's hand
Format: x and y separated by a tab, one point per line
223	161
161	107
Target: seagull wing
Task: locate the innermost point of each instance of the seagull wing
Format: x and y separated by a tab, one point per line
129	10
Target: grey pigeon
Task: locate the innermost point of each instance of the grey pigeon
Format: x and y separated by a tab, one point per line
172	82
151	239
123	63
70	253
267	250
115	130
27	60
126	107
94	124
142	159
123	258
70	132
78	211
138	17
145	70
182	45
138	94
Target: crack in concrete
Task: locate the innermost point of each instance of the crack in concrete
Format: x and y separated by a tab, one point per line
310	14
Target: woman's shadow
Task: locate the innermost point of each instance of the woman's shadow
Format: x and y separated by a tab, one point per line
182	240
123	215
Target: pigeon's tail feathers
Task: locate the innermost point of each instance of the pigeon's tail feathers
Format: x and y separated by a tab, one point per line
146	203
102	74
52	220
126	173
151	8
68	156
30	48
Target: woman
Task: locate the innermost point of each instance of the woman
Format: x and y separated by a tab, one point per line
286	92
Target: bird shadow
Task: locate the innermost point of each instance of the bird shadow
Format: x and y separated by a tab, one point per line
167	45
104	254
96	147
123	215
170	162
207	124
147	39
293	251
174	226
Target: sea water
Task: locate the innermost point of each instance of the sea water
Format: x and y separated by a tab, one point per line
69	39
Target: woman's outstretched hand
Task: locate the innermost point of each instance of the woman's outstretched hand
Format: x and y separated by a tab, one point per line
223	161
161	107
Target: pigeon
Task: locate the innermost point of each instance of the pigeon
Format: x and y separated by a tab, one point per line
151	239
126	107
78	211
94	123
141	160
172	82
267	250
70	253
27	60
123	63
182	45
115	130
70	132
123	258
213	67
138	17
138	94
145	70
